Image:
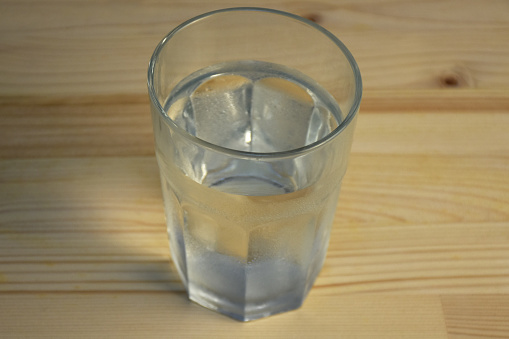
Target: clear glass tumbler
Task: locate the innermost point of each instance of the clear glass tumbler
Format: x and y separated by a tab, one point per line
253	114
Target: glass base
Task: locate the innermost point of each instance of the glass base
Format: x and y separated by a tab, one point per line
247	311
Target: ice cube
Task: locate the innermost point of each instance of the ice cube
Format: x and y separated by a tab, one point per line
221	111
280	113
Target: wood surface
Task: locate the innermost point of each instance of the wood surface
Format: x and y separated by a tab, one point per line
420	244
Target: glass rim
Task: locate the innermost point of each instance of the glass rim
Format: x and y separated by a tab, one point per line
247	154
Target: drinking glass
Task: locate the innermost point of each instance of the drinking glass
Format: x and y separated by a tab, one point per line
253	113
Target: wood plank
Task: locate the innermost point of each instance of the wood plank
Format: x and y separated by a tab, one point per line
149	315
411	259
76	47
96	224
466	134
476	316
424	189
95	126
456	122
420	224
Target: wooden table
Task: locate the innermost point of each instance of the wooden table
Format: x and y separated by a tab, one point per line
420	246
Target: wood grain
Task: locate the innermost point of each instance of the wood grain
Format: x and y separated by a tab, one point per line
115	315
476	316
457	122
420	243
70	47
96	224
71	127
